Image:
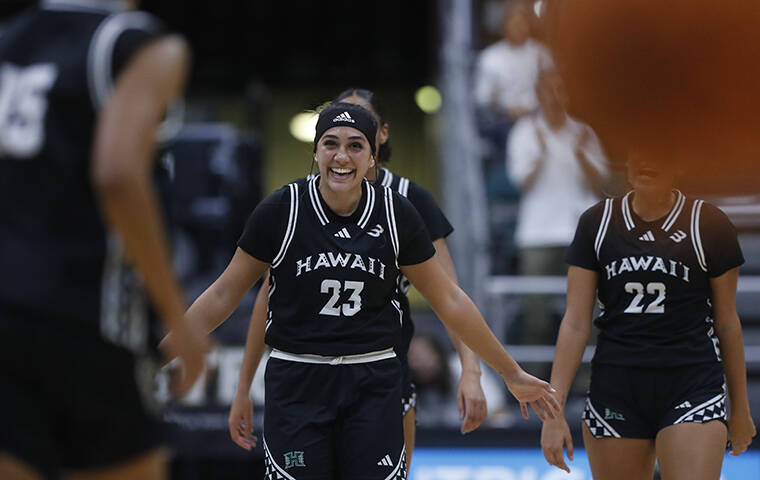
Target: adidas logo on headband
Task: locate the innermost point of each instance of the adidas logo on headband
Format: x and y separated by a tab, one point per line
344	117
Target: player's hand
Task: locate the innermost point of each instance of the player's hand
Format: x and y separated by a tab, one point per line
240	421
555	434
190	346
741	429
471	401
528	389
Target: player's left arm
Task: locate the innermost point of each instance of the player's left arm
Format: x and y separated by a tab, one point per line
470	397
741	427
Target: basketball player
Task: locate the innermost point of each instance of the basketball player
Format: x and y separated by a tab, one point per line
470	396
84	86
665	268
336	250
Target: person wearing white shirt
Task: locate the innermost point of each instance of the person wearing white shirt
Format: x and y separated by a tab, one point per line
560	168
506	71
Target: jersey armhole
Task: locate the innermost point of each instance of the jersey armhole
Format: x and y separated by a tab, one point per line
603	226
291	228
390	215
100	53
696	237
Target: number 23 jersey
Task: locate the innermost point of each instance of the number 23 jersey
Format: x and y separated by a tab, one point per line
334	281
654	279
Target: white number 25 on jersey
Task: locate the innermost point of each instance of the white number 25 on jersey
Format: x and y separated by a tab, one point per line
653	288
23	104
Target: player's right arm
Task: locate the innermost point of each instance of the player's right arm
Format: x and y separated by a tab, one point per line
574	332
241	411
223	296
123	153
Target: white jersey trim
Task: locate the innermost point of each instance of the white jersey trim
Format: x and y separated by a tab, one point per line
680	201
403	186
627	212
390	214
315	203
397	306
602	232
100	55
387	179
696	239
369	205
291	228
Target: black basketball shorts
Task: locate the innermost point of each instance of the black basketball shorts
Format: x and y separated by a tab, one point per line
72	401
323	422
632	402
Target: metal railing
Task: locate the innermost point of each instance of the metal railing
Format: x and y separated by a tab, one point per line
515	285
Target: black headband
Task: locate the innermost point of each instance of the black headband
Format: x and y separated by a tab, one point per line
342	114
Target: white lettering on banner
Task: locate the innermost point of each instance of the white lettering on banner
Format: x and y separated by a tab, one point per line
459	472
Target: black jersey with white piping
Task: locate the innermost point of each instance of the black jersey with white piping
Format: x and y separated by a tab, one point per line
654	279
334	281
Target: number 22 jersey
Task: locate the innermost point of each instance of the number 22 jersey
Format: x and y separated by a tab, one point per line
334	281
654	279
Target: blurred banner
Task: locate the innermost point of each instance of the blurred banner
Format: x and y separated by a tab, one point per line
529	464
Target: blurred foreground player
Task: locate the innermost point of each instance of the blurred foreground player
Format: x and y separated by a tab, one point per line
83	87
670	351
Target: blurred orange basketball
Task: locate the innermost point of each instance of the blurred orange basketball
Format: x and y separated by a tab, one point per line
679	77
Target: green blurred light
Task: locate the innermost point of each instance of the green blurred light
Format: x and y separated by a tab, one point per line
303	126
428	99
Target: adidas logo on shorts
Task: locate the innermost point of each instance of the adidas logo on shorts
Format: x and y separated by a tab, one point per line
385	461
344	117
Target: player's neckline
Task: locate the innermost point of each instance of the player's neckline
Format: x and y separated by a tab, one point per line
326	213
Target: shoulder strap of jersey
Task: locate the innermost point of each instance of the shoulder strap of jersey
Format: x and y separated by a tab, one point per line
390	215
402	186
315	203
387	178
369	206
696	238
603	225
291	228
675	212
100	55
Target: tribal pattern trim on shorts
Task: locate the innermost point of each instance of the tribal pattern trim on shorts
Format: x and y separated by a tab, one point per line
408	403
399	471
272	471
713	409
596	424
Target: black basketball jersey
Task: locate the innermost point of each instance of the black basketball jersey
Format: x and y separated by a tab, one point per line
437	225
58	64
334	281
654	279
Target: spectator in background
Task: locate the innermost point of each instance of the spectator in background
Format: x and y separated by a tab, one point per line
505	77
560	168
435	371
